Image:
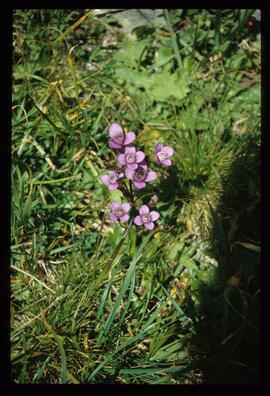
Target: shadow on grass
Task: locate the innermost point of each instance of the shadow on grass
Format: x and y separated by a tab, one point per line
172	193
226	347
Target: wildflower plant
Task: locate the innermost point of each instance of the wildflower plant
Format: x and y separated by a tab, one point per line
133	176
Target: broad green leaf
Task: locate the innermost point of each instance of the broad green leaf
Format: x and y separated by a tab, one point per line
131	52
132	236
188	263
116	195
141	79
166	85
163	55
175	250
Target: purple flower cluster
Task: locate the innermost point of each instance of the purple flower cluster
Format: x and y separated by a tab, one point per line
135	169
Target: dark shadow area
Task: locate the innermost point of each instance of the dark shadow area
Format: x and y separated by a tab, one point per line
226	347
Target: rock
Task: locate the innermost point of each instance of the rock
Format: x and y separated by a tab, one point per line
133	18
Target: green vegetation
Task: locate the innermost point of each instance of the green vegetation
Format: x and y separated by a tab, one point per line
94	302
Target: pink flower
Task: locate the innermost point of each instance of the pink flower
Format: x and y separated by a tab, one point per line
119	211
146	218
111	179
131	158
119	138
140	176
162	154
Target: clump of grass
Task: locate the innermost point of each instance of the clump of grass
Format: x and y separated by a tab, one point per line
92	303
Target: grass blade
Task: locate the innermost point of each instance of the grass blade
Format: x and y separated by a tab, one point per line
122	291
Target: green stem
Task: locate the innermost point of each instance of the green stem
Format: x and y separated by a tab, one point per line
131	192
173	37
126	190
108	265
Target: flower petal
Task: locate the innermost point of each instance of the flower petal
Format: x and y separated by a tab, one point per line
120	175
168	150
139	185
115	130
105	179
113	186
125	217
143	164
129	173
166	162
154	215
151	176
129	138
115	205
122	159
132	166
156	159
114	145
158	147
126	206
144	210
149	225
140	156
130	150
138	220
113	217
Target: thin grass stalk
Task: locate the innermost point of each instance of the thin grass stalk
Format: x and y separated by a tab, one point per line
173	37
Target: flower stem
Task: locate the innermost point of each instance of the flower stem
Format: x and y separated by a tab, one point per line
127	191
118	247
131	192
